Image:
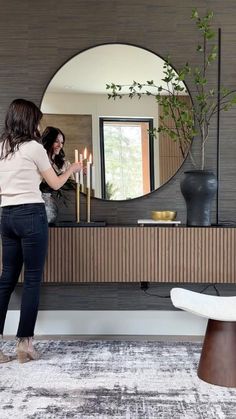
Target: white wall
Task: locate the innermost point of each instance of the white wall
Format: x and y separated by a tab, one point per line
112	323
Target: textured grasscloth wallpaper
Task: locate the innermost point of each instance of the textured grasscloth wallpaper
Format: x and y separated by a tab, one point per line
36	38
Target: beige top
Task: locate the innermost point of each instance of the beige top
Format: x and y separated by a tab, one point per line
20	174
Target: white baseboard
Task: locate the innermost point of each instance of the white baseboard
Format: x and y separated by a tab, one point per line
100	322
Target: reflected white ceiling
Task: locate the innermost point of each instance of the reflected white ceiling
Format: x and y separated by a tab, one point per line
91	70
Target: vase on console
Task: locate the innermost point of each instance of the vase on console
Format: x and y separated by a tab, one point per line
50	206
198	188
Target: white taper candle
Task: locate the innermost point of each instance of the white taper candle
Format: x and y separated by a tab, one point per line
76	161
89	162
93	177
88	174
81	175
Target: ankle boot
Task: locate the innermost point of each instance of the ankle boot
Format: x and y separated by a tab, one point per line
25	350
3	357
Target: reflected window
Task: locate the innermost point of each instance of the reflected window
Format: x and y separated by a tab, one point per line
126	157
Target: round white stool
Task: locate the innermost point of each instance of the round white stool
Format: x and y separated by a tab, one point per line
217	363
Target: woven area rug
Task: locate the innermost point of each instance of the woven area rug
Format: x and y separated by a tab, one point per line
111	379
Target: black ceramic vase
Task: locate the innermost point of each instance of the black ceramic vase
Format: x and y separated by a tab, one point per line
198	188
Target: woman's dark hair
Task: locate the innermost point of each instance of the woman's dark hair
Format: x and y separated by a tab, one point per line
49	137
21	125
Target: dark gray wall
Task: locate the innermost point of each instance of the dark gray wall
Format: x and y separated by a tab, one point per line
36	38
113	296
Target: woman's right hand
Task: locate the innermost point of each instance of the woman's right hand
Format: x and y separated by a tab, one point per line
56	182
75	167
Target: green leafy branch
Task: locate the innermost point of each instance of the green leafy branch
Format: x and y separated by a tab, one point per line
193	120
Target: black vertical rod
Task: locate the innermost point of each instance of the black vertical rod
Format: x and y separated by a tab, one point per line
218	126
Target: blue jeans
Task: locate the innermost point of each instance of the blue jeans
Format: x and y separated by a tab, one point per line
24	234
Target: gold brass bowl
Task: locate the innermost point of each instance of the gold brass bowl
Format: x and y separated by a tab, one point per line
164	215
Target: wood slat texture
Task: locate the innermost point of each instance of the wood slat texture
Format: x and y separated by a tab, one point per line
135	254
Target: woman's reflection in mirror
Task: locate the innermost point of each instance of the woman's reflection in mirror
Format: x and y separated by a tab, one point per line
53	141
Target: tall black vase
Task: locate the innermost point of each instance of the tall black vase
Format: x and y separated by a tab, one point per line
198	188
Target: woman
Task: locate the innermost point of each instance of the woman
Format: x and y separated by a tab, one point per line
24	229
53	141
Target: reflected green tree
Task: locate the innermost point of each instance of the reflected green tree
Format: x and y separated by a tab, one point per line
123	161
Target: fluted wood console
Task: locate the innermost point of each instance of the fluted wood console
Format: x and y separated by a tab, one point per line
134	254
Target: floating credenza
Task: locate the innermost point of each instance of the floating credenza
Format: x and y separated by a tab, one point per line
134	254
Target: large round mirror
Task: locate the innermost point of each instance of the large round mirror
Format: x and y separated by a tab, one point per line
127	162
